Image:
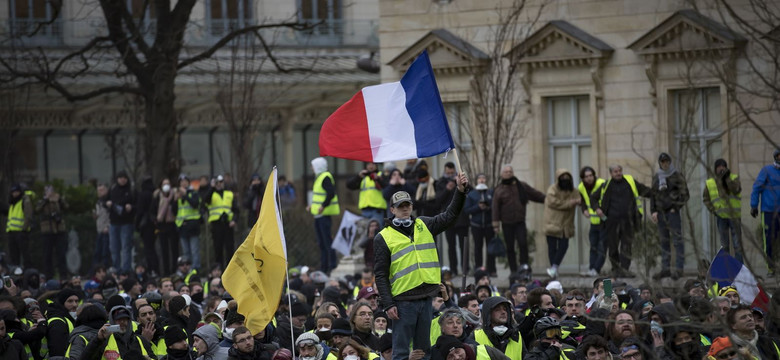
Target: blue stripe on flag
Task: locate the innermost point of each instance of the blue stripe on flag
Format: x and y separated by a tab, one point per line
724	268
423	102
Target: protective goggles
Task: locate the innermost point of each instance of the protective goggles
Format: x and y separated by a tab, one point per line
554	333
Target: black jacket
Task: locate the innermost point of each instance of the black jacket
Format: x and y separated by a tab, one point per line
121	196
618	201
58	333
127	343
436	225
11	349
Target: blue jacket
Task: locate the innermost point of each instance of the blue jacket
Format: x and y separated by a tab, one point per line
479	218
767	187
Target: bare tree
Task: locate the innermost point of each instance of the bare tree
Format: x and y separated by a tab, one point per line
148	60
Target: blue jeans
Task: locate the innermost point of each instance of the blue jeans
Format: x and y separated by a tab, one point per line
412	327
598	243
670	228
190	248
121	245
324	240
733	227
556	249
374	214
102	253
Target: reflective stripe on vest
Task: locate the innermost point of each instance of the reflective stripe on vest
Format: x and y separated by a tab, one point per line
86	342
187	278
160	349
594	218
111	352
221	205
728	206
44	342
186	212
412	263
318	196
705	341
514	349
370	196
16	218
27	348
632	184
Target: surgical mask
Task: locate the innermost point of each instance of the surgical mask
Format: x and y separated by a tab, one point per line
402	222
351	357
324	329
308	358
72	314
481	187
228	333
500	330
166	188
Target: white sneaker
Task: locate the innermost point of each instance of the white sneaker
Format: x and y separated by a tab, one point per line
593	273
585	273
553	272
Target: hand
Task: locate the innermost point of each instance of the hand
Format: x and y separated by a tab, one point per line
109	203
482	206
308	208
450	186
232	224
658	340
416	354
103	332
148	331
392	313
443	291
655	217
754	212
320	210
128	207
557	344
574	202
402	181
599	213
363	173
12	290
586	214
462	180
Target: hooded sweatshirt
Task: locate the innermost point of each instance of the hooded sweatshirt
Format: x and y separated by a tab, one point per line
79	339
214	352
499	342
559	210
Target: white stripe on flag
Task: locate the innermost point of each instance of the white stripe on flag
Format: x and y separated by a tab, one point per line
390	129
746	285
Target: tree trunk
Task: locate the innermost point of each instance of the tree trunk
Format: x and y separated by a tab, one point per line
162	150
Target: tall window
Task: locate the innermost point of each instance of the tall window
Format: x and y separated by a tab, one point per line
569	128
697	127
225	16
27	18
326	12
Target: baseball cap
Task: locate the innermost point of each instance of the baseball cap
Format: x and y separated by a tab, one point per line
366	292
719	344
400	197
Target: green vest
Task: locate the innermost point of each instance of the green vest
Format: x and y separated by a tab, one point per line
112	347
632	184
27	348
45	342
318	196
186	212
160	349
482	353
726	207
16	218
435	329
221	205
412	263
594	218
370	196
514	349
187	278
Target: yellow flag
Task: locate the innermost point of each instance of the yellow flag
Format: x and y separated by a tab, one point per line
255	275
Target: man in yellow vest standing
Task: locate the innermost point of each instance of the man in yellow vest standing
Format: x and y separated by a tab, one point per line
619	207
20	213
407	269
324	205
188	220
723	198
371	203
589	185
223	210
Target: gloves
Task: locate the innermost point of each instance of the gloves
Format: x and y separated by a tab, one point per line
754	212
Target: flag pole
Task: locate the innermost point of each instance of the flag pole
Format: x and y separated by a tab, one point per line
465	253
286	264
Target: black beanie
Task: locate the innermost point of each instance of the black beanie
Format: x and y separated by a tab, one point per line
174	334
233	317
299	309
341	327
128	284
176	304
721	162
446	343
116	300
65	293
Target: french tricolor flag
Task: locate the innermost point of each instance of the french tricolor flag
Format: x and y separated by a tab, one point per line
726	270
389	122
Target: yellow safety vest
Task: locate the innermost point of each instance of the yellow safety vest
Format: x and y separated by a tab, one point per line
187	278
413	261
86	342
514	349
594	218
482	353
112	348
632	184
332	356
318	196
370	196
186	212
705	341
27	348
726	207
44	342
221	205
16	217
435	329
160	349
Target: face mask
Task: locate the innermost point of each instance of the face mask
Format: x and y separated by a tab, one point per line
500	330
324	329
566	184
351	357
72	314
687	350
228	333
308	358
481	187
402	222
178	354
166	188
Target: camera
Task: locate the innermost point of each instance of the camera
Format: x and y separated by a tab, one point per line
7	281
56	217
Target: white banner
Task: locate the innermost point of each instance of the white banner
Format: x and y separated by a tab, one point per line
347	233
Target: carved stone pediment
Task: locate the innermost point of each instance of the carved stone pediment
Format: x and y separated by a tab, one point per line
560	44
448	53
686	34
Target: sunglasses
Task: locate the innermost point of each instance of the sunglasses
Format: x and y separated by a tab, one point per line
577	297
727	355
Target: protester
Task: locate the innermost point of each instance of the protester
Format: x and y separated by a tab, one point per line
370	182
670	193
478	206
324	205
120	204
597	236
723	198
560	204
766	190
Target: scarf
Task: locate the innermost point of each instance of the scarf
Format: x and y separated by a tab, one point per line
749	344
662	175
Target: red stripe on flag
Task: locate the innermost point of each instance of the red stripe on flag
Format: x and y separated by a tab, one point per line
345	135
762	300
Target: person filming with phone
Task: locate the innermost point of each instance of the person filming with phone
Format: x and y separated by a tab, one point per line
117	340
